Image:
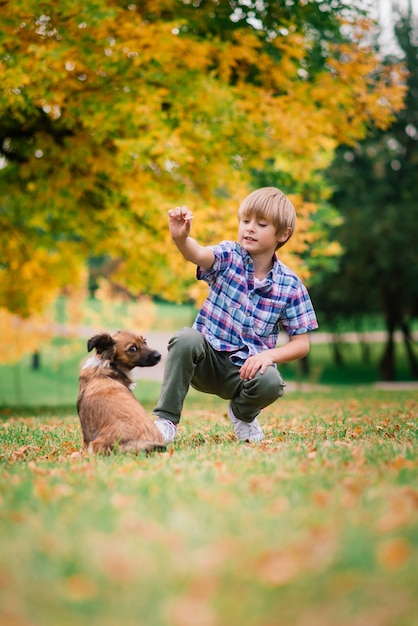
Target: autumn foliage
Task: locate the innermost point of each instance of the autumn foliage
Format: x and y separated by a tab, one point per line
114	112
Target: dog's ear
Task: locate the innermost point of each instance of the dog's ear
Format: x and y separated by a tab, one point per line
100	342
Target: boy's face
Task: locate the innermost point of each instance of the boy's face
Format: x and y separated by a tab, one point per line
257	235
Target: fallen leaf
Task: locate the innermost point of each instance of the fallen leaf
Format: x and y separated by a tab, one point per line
80	587
393	553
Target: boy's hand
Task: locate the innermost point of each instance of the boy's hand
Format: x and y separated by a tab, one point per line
296	348
254	363
180	220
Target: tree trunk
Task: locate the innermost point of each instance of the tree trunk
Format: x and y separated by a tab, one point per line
413	363
36	360
387	362
365	349
390	301
337	352
304	366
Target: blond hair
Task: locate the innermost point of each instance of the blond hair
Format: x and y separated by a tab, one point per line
271	204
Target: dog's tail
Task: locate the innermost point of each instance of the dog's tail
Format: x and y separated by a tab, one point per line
101	446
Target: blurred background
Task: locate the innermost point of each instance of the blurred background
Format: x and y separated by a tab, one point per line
114	112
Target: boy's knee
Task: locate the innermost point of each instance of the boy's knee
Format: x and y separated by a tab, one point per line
186	340
270	384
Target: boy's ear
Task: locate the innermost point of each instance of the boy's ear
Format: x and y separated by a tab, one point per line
284	236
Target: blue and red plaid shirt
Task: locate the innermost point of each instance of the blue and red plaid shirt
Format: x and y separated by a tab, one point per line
239	317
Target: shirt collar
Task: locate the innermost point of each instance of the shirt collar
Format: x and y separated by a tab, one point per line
249	268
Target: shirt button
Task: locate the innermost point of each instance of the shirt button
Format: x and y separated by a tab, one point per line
248	314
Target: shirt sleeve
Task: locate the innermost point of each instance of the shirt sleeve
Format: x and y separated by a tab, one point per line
223	257
299	315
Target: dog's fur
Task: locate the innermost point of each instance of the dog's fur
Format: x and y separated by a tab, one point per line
110	415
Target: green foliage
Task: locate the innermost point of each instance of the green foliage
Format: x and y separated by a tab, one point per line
216	532
376	187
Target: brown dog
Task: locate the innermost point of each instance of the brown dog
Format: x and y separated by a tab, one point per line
110	415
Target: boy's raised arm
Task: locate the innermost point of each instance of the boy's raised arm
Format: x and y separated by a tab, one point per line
180	220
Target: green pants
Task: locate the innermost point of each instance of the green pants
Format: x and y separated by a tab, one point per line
192	361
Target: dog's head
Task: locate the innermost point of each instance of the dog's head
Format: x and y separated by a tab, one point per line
125	349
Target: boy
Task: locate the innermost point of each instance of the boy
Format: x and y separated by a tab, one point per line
231	349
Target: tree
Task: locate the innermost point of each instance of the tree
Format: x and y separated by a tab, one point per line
376	190
113	111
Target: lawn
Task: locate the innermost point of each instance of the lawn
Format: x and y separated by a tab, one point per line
315	526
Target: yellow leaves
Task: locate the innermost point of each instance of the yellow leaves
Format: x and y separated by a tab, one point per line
31	282
283	77
137	41
330	249
144	113
236	60
362	88
137	315
25	334
382	105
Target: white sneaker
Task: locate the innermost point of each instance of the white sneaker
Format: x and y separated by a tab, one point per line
166	428
245	431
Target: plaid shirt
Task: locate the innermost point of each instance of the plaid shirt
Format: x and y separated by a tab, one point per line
241	318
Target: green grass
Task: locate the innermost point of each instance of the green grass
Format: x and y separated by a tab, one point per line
317	525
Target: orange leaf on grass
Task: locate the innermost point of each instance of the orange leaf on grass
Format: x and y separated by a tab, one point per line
277	568
80	587
394	552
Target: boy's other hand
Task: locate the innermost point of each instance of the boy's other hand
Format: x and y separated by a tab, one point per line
180	220
254	363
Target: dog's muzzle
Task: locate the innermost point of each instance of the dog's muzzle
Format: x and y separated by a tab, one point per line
151	359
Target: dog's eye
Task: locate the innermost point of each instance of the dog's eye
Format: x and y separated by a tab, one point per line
133	349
